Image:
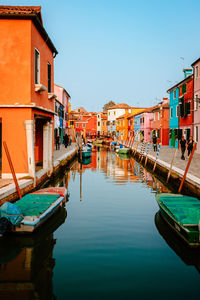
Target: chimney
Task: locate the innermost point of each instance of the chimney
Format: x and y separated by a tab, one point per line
187	72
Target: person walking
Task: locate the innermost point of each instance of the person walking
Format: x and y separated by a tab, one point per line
183	147
57	142
154	143
66	140
190	144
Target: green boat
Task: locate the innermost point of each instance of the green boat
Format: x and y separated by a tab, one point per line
182	213
124	150
86	154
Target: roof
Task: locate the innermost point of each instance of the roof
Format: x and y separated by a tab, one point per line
120	106
188	78
196	61
63	89
123	116
28	13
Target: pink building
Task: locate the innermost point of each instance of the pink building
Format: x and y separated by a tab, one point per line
63	97
145	124
196	121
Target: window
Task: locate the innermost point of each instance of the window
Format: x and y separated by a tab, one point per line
184	88
37	66
114	112
109	113
154	116
83	125
79	110
177	111
98	123
158	115
76	125
196	71
49	77
103	123
171	112
196	133
174	94
158	133
71	123
196	105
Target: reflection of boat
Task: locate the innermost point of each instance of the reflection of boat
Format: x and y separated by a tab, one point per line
26	262
188	255
31	211
182	213
124	156
124	150
86	161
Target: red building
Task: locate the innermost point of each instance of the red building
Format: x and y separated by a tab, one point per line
160	122
186	105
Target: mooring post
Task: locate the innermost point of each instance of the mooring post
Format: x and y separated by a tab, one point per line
157	154
12	169
172	162
187	168
147	154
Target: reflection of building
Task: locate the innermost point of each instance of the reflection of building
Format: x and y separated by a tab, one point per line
27	263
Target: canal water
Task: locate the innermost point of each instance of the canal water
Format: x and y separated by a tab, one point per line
109	242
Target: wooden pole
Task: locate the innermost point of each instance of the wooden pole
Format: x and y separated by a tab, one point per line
12	169
172	162
187	168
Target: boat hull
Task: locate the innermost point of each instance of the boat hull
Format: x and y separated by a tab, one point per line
124	150
190	237
86	154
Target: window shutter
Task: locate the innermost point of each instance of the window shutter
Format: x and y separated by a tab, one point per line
49	77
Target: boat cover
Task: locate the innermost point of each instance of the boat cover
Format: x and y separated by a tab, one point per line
11	212
35	204
185	209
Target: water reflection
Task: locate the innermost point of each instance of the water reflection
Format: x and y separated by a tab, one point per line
120	169
26	262
189	256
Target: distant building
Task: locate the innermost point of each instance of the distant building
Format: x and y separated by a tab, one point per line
113	113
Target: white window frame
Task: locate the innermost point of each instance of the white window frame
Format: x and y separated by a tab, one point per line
177	111
196	104
171	112
196	71
38	64
175	94
158	116
196	134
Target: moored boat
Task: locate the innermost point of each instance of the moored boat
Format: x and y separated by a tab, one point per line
124	150
31	211
86	154
182	213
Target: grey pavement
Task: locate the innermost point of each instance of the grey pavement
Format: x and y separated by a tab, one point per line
166	154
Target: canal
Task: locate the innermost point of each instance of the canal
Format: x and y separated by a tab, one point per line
109	242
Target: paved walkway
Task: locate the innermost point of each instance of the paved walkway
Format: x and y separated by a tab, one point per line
7	185
179	166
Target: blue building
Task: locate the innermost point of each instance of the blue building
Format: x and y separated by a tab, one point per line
173	116
137	127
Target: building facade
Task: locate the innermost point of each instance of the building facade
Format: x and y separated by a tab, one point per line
27	85
196	123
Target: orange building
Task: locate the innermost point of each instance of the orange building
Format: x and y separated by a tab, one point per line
124	124
27	83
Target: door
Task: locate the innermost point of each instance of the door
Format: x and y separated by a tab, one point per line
173	138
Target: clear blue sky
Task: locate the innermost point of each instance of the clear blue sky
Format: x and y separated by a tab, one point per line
120	50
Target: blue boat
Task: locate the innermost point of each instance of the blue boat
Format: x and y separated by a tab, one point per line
86	154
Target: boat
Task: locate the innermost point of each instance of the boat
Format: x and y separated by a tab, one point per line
86	153
124	156
124	150
86	161
31	211
182	213
190	256
98	142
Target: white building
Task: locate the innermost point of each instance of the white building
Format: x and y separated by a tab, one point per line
113	113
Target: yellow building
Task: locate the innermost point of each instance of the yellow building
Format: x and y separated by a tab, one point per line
122	123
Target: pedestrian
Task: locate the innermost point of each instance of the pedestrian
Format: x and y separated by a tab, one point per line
57	142
69	140
190	145
183	147
66	140
154	143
